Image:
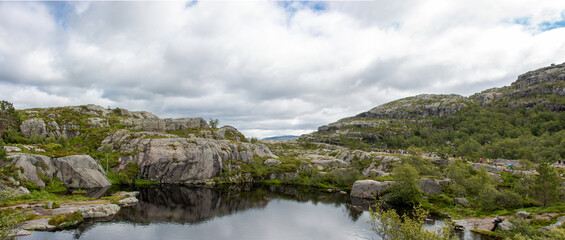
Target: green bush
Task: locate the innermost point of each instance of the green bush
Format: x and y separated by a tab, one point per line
66	220
404	191
31	185
9	220
388	224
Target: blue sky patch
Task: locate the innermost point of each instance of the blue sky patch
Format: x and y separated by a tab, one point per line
294	6
61	11
191	3
546	26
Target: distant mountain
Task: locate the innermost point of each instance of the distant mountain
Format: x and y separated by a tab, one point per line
285	137
523	120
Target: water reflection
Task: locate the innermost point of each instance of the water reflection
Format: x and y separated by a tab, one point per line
242	212
182	204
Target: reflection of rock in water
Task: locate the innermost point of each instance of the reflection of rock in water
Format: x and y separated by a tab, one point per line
171	203
96	192
182	204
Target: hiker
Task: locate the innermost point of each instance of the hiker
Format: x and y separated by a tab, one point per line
511	166
496	222
480	160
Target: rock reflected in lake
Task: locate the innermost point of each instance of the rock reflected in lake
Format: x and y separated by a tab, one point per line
182	204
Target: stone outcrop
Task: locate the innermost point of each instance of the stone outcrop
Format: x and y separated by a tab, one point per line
369	189
370	126
164	125
78	171
462	201
523	214
430	186
169	159
89	211
423	105
70	122
526	89
271	162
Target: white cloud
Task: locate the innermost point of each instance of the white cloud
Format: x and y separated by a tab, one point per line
264	68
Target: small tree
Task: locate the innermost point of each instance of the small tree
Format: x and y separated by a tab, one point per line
9	118
214	123
391	226
405	191
546	184
2	152
9	220
131	170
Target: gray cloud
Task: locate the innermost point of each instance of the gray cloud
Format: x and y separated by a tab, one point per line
261	67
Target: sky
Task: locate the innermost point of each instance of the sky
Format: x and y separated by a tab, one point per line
268	68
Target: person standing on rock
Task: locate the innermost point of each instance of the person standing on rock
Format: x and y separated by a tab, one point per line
480	160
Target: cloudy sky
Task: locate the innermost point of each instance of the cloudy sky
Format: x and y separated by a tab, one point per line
267	67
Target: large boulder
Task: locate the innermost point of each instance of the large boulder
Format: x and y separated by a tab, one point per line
271	162
34	167
369	189
33	127
78	171
523	214
430	186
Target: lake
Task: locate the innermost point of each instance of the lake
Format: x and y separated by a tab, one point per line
243	212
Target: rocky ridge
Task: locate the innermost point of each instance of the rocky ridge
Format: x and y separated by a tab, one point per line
545	86
528	88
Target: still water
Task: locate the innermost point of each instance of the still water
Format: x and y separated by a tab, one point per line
259	212
179	212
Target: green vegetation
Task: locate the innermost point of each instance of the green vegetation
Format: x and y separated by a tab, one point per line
214	123
498	131
405	191
523	230
546	184
9	220
9	118
388	224
66	220
42	197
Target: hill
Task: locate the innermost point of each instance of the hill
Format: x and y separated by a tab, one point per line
523	120
284	137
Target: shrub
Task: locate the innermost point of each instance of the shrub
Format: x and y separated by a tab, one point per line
31	185
389	225
509	199
66	220
405	191
9	220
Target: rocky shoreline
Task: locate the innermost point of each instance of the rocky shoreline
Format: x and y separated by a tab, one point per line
97	210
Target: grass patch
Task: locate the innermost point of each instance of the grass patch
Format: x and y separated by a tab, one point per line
66	220
43	196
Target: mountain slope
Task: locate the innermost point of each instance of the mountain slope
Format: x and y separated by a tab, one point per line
523	120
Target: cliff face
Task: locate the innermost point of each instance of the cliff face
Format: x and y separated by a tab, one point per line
167	158
165	150
542	86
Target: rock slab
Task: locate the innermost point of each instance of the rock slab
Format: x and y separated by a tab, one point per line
369	189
